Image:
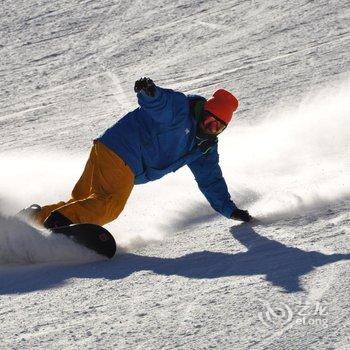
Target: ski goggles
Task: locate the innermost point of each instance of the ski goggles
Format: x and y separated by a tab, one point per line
212	124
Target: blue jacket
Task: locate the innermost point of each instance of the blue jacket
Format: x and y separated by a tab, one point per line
159	137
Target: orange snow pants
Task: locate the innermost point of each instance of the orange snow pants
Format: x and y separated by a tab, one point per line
101	192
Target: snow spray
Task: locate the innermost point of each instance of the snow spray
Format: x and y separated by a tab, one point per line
21	243
294	159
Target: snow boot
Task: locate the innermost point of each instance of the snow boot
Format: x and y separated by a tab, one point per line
56	219
30	212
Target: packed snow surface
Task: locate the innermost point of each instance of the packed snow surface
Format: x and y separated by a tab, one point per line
184	277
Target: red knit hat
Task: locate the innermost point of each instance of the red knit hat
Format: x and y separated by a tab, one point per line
222	105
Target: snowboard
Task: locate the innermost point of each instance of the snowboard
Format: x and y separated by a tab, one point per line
91	236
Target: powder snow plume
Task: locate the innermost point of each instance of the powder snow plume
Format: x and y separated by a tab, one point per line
21	243
296	158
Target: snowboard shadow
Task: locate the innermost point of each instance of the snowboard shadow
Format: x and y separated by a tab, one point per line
281	265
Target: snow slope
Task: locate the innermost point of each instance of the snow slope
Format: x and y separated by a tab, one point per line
184	276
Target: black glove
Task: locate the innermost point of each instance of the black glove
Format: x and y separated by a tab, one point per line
242	215
145	84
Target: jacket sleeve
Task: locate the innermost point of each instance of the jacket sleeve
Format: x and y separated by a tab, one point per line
164	106
208	175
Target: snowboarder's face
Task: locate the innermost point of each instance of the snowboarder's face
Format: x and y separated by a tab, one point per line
211	125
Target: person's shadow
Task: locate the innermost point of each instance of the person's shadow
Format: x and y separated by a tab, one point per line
281	265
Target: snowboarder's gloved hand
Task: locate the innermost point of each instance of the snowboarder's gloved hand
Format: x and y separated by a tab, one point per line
146	85
242	215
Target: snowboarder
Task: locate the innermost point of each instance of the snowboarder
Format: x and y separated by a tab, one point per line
167	131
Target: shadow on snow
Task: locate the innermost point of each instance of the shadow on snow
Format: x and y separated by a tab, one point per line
281	265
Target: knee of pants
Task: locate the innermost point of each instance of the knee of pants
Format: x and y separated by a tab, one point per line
116	204
79	193
115	199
